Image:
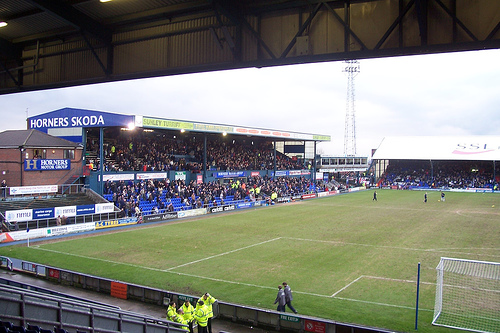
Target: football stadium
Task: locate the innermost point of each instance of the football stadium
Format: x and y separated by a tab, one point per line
115	222
234	215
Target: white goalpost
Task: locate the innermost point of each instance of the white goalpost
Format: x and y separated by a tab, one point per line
468	295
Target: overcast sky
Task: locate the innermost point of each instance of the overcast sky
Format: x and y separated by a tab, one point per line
438	95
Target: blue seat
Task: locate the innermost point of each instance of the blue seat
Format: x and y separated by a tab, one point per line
16	328
33	328
60	330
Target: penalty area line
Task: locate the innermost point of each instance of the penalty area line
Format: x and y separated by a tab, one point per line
376	278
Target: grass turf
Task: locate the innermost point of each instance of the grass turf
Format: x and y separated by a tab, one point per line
346	257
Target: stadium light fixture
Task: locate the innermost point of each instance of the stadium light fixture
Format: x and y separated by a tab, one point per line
105	0
131	126
224	133
3	24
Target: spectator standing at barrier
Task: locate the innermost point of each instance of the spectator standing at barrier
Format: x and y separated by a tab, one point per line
188	310
58	220
208	300
4	189
280	299
288	297
201	317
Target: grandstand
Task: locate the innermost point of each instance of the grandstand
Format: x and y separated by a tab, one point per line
438	163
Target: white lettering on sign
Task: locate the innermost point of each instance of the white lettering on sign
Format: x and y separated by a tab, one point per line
66	121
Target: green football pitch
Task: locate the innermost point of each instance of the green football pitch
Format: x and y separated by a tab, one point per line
346	257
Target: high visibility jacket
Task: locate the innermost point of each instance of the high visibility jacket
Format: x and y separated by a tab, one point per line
180	319
171	313
201	315
188	312
208	303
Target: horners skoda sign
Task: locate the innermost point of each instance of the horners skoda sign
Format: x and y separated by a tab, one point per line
75	121
68	123
70	117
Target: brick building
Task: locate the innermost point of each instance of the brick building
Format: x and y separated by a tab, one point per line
31	157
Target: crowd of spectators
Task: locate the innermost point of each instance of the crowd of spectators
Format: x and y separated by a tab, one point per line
162	153
442	174
131	197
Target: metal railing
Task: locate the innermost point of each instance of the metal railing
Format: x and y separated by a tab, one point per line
23	307
5	192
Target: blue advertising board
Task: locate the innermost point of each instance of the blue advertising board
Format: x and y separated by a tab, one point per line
230	174
43	213
70	117
64	122
85	209
47	165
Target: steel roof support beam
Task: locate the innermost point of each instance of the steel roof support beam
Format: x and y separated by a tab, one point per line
394	25
301	30
74	18
493	32
6	70
10	53
227	36
457	21
421	7
240	21
104	68
346	26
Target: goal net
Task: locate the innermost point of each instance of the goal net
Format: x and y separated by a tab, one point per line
468	295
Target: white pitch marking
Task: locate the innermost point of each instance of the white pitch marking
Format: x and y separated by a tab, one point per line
98	259
381	246
348	285
227	281
223	254
383	304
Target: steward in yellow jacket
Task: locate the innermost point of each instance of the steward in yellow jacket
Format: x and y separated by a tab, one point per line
171	311
180	319
201	317
208	300
188	314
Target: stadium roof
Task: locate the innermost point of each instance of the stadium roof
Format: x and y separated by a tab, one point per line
468	148
64	122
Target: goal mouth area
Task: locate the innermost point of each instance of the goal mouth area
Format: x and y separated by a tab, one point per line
468	295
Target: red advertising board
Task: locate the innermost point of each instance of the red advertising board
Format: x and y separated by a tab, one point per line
119	290
314	326
54	273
